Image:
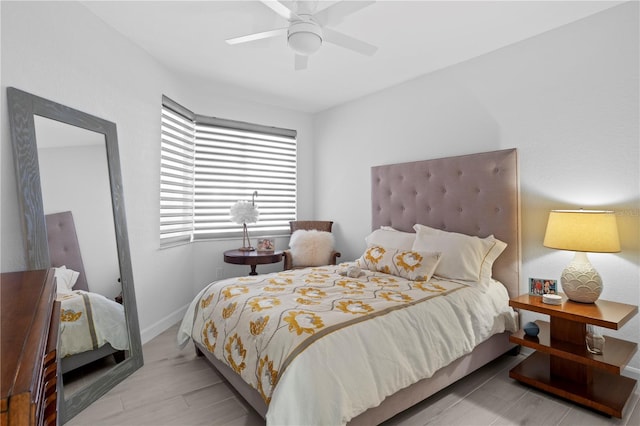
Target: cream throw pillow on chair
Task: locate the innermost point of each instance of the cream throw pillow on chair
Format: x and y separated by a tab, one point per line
311	247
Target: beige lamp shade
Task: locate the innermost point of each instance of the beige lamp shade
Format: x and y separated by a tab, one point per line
582	231
593	231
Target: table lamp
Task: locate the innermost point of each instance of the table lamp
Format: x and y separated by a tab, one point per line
582	231
243	212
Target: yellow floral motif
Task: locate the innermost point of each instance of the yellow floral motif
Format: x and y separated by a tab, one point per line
393	296
384	269
354	307
314	293
261	303
434	288
303	322
281	281
229	310
236	353
303	301
374	254
274	289
234	290
384	281
353	292
409	260
210	335
68	315
316	278
353	285
206	301
266	378
257	327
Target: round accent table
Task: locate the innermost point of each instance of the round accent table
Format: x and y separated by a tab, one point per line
252	258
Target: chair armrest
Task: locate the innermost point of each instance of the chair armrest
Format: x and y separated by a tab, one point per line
287	260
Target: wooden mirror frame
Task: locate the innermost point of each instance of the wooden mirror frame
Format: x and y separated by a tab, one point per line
23	107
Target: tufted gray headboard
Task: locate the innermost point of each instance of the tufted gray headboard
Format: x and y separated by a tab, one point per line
476	194
63	246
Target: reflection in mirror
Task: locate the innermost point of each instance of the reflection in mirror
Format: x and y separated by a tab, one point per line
75	179
68	169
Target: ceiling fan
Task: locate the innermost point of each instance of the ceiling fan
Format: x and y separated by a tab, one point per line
308	30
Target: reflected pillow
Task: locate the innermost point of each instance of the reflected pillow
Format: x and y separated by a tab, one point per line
65	279
391	238
311	247
409	264
464	257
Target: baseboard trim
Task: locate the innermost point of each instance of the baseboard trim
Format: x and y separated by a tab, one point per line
158	327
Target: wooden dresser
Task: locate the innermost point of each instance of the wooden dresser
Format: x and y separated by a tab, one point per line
30	317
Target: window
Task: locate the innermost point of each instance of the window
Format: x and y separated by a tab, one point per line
207	164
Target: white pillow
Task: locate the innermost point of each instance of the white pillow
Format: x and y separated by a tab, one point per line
409	264
311	247
464	257
391	238
65	279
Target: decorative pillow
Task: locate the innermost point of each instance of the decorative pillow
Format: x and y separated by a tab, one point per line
65	279
391	238
413	265
464	257
311	247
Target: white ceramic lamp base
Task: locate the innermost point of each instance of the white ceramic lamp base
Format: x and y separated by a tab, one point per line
580	281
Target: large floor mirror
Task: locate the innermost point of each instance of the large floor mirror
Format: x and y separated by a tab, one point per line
70	194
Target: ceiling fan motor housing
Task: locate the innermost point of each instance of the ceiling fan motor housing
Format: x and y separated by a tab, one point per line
304	37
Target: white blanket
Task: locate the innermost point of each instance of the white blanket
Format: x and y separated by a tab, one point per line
350	370
89	321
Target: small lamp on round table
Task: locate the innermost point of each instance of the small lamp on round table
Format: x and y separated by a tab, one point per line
582	231
243	212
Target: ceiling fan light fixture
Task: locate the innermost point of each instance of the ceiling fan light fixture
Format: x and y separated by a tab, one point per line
305	38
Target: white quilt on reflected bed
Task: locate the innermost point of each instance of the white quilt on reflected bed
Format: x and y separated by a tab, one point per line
353	369
88	321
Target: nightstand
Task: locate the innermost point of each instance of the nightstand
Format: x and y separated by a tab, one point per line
252	258
562	365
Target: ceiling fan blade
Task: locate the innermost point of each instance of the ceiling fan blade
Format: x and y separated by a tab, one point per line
301	62
280	9
257	36
348	42
334	13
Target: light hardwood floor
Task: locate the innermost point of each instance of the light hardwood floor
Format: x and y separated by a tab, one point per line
175	387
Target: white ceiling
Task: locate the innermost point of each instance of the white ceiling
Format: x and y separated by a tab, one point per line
413	38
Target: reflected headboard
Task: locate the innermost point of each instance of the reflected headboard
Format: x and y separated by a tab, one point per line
476	194
64	248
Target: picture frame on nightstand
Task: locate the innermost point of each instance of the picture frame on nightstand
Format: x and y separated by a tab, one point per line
540	286
266	245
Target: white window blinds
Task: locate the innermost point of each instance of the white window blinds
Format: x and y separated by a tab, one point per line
177	148
231	160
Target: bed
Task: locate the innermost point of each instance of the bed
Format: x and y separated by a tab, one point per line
91	326
390	353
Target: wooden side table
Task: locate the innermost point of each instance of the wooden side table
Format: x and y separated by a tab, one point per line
563	366
252	258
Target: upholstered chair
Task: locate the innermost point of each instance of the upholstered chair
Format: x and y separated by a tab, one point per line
308	225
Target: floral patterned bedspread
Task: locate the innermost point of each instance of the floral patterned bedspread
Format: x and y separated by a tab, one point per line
257	325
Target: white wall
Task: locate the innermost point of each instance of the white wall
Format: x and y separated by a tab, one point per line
567	99
62	52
